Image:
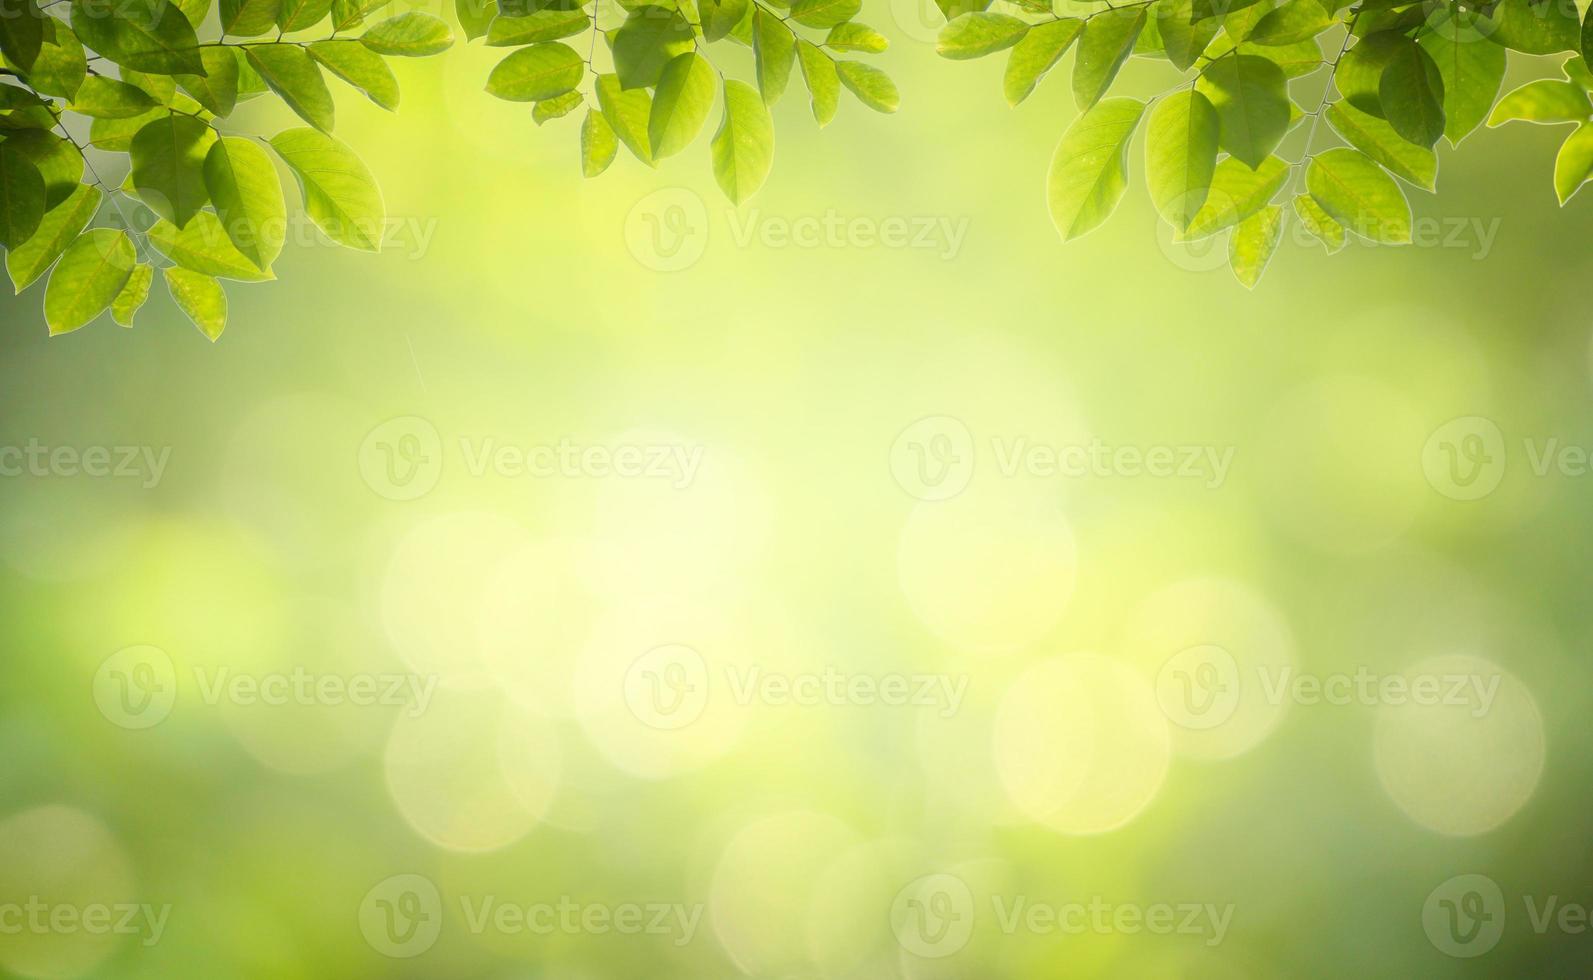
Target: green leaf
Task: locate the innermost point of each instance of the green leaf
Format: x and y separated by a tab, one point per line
1036	54
1294	21
59	227
248	197
536	73
1536	26
557	107
61	65
743	148
1319	223
1184	39
88	278
475	16
301	15
720	17
823	81
544	25
150	35
57	161
168	166
107	98
1360	195
1089	170
249	18
204	246
1254	242
21	32
1587	47
361	67
627	112
340	195
1576	69
200	297
1181	155
1547	101
1236	193
1377	139
116	135
856	37
352	13
296	79
824	14
1411	93
411	35
872	86
978	34
598	144
774	51
952	9
680	105
1108	40
1219	8
1237	24
1472	72
1252	99
133	295
217	89
195	10
650	37
21	197
1359	75
1574	164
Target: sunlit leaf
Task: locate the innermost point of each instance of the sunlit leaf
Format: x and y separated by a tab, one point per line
107	98
774	51
1236	192
340	195
204	246
249	18
1181	154
1107	42
853	36
538	72
168	158
88	278
201	299
871	85
243	186
978	34
59	227
150	35
544	25
556	107
361	67
1411	93
217	89
824	14
1319	223
1183	37
651	36
133	295
598	144
823	81
743	147
1376	138
1253	243
295	77
1252	100
1472	71
1574	165
1291	22
1089	171
628	112
301	15
1547	100
1360	195
680	104
1537	26
412	35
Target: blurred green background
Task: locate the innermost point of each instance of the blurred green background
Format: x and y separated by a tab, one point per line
579	640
